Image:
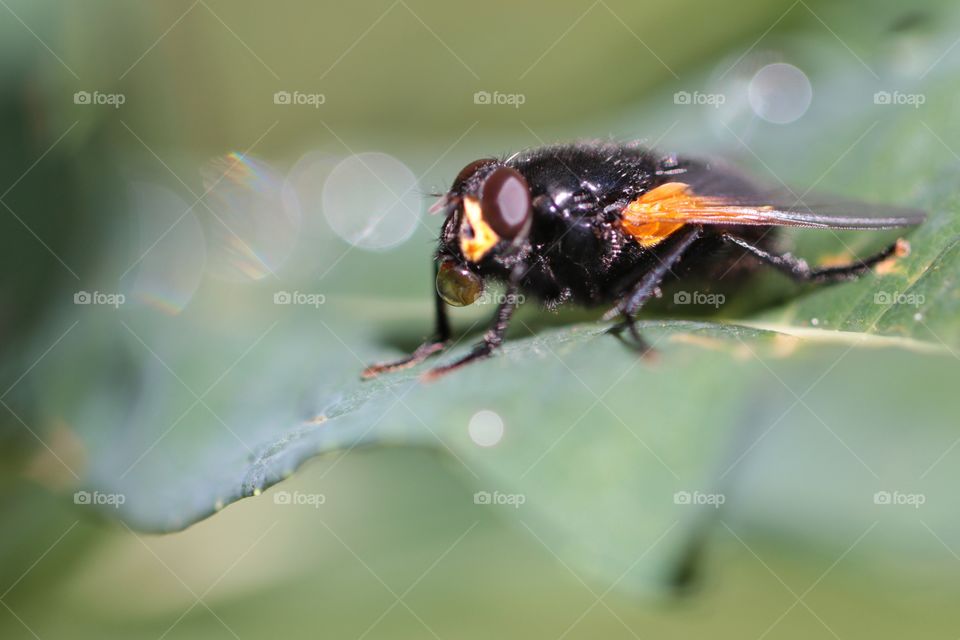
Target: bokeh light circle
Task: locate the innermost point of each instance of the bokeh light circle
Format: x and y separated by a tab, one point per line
780	93
252	221
485	428
371	200
318	249
172	250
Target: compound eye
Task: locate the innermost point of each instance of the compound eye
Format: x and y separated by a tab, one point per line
457	285
505	202
468	171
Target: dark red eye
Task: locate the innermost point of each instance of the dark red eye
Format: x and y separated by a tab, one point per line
452	196
505	202
468	171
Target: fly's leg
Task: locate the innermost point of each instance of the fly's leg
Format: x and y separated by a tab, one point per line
647	285
800	271
437	343
420	354
492	339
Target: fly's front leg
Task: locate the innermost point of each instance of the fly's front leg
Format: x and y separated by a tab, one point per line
800	271
492	339
437	343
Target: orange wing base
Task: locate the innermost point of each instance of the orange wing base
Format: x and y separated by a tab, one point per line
642	218
661	211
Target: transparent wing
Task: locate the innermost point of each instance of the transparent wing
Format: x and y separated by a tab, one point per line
676	203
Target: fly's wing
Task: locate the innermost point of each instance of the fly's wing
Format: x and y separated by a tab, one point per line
678	203
720	193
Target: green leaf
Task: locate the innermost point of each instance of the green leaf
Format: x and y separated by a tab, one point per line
182	416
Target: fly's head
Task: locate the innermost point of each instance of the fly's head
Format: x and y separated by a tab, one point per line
488	215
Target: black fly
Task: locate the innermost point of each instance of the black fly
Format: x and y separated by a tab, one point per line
606	224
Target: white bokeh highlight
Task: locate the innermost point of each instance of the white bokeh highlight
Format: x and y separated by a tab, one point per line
780	93
486	428
252	222
371	200
172	247
317	249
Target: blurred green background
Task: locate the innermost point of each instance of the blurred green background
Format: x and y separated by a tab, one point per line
183	164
